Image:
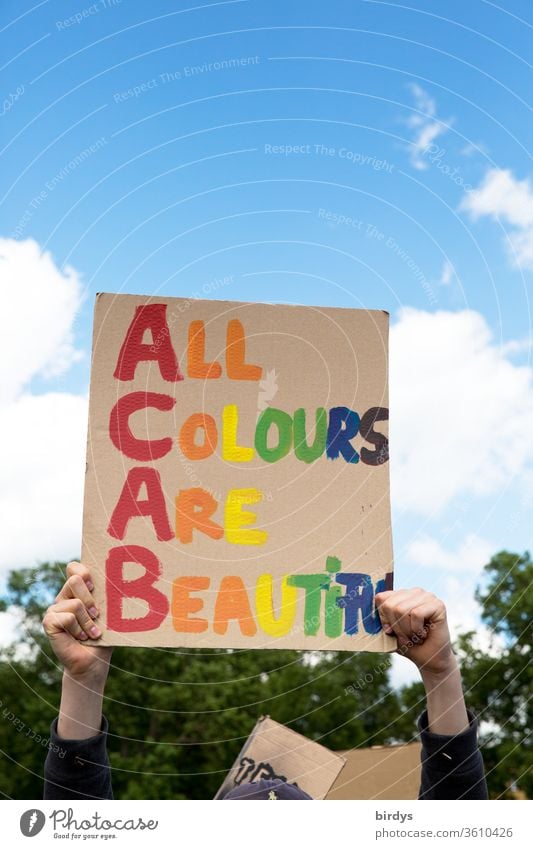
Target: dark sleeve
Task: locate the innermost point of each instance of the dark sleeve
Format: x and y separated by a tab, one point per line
77	769
452	766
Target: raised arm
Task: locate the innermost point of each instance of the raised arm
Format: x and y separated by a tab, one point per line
77	766
452	766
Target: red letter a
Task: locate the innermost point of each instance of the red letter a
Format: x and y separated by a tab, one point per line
128	505
141	588
149	317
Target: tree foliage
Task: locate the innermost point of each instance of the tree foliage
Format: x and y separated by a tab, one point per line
498	682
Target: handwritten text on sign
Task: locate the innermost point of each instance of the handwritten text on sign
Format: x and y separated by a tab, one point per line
215	518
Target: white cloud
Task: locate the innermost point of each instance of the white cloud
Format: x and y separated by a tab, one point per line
9	622
474	149
503	197
460	573
469	558
447	273
12	631
427	126
40	303
402	673
42	463
461	411
42	450
518	346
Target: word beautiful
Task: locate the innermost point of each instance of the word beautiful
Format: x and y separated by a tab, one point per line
276	434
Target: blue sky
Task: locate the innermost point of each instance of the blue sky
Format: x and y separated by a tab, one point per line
358	154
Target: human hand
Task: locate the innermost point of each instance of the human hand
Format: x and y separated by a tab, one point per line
418	620
70	621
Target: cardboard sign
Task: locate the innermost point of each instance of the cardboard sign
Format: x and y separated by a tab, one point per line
379	772
274	751
237	483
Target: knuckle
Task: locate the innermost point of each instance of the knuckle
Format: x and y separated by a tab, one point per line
75	582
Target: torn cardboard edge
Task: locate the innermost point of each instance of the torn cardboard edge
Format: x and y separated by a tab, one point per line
274	751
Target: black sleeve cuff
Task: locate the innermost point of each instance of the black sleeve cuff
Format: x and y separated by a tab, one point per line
452	766
449	751
77	768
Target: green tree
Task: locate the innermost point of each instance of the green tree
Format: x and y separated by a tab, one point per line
498	683
179	717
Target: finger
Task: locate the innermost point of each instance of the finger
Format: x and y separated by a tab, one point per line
84	572
400	610
380	599
432	610
384	603
419	631
411	624
394	607
424	617
78	609
401	619
389	598
58	621
75	587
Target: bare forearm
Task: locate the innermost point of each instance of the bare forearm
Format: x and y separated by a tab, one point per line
80	712
445	701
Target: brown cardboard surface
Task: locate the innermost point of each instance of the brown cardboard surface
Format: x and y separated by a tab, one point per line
380	772
310	357
275	751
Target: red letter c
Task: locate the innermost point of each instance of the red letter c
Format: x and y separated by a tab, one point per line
120	432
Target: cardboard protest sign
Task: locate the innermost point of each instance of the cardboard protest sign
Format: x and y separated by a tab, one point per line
274	751
237	482
379	772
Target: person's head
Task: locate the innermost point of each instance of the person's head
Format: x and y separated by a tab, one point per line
271	790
